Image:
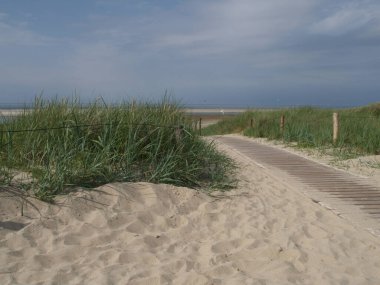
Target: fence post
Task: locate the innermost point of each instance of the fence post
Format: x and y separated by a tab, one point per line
200	126
251	123
335	127
282	124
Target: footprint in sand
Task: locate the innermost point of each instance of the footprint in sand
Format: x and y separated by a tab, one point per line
137	227
43	260
156	241
226	246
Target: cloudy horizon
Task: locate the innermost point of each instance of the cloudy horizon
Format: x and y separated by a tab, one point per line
226	52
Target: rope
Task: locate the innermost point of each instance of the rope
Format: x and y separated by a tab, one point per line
84	126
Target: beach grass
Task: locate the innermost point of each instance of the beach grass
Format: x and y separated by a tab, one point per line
359	128
60	145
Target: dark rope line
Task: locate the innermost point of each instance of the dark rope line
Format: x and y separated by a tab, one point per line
342	116
84	126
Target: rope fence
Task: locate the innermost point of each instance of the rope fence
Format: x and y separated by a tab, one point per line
84	126
336	123
9	132
195	124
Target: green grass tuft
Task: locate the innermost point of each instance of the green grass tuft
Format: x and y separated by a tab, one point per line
63	145
359	132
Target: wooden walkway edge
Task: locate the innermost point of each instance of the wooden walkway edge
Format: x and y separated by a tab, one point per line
346	193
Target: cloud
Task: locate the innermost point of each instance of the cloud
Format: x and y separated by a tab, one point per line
224	26
200	49
349	18
19	34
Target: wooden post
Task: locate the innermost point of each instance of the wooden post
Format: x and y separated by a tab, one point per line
335	127
200	126
282	124
251	123
22	206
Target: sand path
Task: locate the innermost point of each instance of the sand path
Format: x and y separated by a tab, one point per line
350	195
267	231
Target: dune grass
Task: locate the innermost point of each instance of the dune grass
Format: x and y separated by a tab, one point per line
359	131
61	145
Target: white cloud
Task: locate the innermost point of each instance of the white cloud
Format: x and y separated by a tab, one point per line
14	34
348	18
222	26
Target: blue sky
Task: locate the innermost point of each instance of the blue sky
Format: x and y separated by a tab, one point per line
204	52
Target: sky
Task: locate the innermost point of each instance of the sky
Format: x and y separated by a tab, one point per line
237	53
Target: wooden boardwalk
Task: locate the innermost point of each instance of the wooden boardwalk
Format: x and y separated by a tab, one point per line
338	188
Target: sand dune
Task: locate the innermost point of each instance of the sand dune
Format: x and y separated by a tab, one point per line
263	232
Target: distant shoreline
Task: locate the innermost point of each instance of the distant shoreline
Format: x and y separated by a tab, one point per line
191	111
10	112
216	111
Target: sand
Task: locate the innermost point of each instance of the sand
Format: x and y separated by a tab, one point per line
264	232
10	112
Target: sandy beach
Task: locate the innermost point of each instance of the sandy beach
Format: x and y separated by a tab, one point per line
266	231
10	112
